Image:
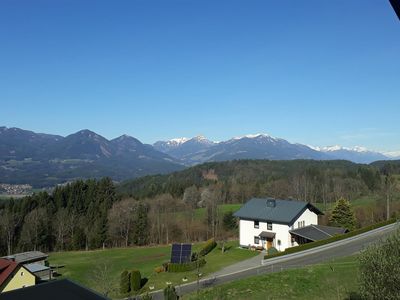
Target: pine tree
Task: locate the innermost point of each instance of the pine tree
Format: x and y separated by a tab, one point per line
343	215
136	280
124	286
170	293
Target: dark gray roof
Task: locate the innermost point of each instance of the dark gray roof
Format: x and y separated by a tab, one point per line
267	234
318	232
34	267
284	212
62	289
26	257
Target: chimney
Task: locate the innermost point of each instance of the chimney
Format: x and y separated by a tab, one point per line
271	203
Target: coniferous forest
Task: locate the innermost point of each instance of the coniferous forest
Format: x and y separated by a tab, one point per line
184	206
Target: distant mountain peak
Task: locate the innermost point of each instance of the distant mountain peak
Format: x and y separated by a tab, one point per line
123	137
178	141
334	148
253	136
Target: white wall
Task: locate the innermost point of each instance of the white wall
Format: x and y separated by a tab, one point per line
309	218
247	232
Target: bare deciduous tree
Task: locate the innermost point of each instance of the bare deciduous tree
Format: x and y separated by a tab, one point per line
121	218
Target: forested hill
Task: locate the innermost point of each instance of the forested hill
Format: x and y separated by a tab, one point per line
95	213
238	180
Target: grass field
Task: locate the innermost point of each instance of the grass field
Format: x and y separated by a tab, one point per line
81	265
333	280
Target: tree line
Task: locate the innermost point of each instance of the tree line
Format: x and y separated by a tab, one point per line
162	209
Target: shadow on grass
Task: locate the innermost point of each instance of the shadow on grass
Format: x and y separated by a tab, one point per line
143	281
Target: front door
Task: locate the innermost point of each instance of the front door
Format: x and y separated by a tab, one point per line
269	243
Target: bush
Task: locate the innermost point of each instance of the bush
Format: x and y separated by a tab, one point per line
208	247
331	239
136	280
174	268
165	266
159	269
194	256
170	293
124	286
379	269
272	251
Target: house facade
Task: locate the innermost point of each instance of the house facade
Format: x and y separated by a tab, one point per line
267	222
14	276
34	262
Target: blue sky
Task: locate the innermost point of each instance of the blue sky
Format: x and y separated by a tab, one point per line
313	72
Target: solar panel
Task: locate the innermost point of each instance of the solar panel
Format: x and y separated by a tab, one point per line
181	253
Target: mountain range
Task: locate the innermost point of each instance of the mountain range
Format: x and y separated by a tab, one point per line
259	146
45	160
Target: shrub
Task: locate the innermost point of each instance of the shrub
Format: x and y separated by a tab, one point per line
174	268
159	269
379	269
124	283
208	247
136	280
165	266
194	257
272	251
170	293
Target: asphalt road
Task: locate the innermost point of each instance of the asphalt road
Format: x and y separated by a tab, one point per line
316	255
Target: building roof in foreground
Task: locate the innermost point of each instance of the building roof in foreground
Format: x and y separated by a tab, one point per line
7	268
62	289
318	232
35	267
26	257
281	211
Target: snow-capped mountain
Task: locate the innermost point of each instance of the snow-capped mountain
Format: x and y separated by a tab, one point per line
392	154
356	154
252	146
262	146
185	149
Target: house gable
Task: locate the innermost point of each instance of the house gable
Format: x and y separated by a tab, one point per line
14	276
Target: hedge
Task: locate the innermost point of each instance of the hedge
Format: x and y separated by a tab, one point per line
124	286
136	280
174	268
331	239
208	247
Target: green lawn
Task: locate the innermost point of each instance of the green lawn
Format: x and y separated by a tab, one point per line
333	280
81	265
200	213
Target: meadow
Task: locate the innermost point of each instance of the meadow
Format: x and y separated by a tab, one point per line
82	266
336	279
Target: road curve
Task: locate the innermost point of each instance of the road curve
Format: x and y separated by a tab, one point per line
342	248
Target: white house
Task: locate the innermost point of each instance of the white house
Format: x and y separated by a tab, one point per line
270	223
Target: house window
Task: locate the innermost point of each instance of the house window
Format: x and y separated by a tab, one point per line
269	226
301	224
22	273
256	240
256	224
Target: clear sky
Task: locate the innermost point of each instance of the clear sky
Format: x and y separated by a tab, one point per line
314	72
